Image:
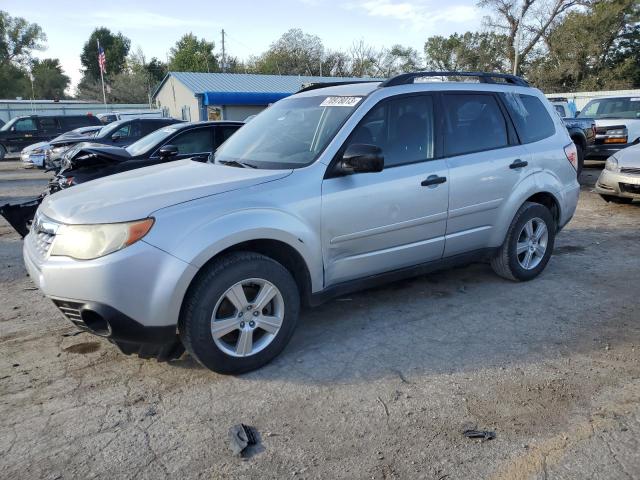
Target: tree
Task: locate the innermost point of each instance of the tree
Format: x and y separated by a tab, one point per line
14	82
598	48
397	59
191	54
49	81
18	39
294	53
528	19
116	48
470	51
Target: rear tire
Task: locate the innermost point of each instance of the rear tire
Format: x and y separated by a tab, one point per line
620	200
3	152
240	313
528	245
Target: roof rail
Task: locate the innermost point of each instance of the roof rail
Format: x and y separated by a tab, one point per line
483	77
315	85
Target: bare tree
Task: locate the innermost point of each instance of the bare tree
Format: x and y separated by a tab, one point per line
525	23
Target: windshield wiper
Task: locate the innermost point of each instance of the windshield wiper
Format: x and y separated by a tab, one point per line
236	163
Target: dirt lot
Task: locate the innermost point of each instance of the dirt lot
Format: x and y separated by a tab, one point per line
375	385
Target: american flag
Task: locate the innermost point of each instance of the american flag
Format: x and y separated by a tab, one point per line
102	59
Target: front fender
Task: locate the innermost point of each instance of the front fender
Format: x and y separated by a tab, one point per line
208	238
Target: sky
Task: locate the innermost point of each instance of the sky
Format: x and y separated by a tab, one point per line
251	26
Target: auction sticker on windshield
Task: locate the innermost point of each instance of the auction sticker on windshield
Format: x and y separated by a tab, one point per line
340	101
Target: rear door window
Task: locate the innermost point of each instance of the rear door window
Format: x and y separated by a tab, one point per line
48	124
223	133
531	118
474	123
198	140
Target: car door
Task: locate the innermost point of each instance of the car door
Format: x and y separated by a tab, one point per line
23	133
48	128
378	222
485	162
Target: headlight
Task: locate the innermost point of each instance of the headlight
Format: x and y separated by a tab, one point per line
36	151
58	150
611	164
85	242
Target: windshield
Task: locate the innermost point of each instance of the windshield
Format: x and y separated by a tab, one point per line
109	129
612	108
145	144
289	134
9	124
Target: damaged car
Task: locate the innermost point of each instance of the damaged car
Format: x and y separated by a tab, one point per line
88	161
121	134
36	155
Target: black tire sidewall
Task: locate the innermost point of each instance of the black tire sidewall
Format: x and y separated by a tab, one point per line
198	318
580	153
529	212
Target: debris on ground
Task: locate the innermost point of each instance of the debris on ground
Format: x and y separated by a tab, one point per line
240	437
481	434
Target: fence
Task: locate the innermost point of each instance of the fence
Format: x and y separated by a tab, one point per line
15	108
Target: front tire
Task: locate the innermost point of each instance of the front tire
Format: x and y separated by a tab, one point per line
528	244
240	313
3	152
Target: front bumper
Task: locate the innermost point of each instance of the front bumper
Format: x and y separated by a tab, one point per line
131	297
604	150
616	184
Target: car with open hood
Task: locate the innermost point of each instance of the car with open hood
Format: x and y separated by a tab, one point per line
333	189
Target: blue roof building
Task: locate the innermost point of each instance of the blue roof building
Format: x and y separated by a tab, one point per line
226	96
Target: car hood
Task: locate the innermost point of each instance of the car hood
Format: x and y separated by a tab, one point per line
138	193
629	157
32	147
105	151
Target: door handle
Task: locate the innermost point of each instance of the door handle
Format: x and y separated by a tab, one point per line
518	164
433	180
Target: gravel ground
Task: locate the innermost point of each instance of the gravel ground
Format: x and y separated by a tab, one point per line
378	384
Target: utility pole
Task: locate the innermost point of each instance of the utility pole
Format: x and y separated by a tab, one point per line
224	57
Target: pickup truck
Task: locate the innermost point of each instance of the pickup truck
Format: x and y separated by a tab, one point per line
581	130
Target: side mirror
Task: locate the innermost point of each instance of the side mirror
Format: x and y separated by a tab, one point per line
13	128
361	158
577	113
168	151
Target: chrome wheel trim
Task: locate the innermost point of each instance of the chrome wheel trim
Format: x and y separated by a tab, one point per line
532	243
247	317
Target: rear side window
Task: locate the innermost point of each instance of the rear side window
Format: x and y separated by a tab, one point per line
474	123
403	128
530	116
48	125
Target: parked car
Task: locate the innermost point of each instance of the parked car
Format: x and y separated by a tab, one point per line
121	133
327	191
175	142
35	155
619	182
109	117
617	124
21	132
88	161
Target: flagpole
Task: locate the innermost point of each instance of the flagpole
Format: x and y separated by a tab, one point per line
104	95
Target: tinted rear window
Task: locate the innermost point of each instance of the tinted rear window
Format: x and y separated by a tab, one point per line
474	123
530	116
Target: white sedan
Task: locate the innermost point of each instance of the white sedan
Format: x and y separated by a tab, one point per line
619	182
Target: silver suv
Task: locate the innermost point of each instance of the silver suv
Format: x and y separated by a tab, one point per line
328	191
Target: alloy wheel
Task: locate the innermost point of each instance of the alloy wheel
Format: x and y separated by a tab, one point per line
247	317
532	243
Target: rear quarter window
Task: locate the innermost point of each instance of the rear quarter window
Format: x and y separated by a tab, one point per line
531	118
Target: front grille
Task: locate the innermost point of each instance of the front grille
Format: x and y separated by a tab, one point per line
630	188
71	310
631	170
43	232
